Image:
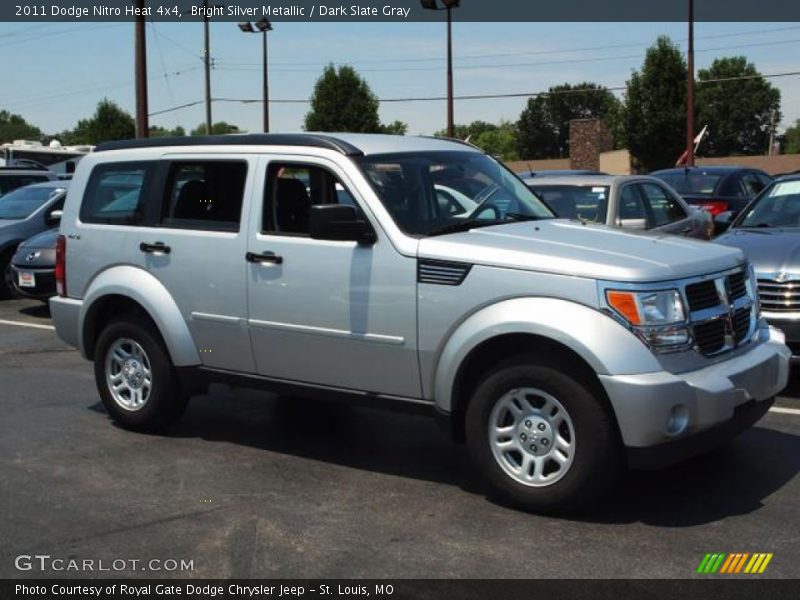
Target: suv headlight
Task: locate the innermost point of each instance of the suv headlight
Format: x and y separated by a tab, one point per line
656	316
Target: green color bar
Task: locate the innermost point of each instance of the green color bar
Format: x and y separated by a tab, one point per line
718	563
701	568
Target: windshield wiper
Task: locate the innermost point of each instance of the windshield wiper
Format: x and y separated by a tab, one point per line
468	224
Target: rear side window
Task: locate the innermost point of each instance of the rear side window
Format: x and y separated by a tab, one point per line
205	195
115	193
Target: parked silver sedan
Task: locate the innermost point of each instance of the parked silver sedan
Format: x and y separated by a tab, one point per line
628	201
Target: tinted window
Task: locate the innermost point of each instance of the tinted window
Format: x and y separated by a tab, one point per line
752	185
631	206
585	202
663	207
115	193
691	182
292	189
22	203
204	195
12	182
779	206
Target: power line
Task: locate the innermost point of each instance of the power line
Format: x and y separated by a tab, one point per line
163	66
508	54
477	96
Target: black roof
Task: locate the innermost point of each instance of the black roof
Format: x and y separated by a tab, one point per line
248	139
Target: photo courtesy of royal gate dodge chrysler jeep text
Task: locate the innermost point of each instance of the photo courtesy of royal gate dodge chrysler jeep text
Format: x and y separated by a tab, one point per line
340	266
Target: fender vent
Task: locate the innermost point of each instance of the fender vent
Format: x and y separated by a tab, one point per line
441	272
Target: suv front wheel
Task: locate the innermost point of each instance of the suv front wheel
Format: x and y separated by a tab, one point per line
135	377
540	436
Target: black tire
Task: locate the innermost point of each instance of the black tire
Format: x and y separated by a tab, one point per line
597	458
6	281
166	401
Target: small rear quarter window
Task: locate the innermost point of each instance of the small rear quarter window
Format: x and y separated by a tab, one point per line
116	193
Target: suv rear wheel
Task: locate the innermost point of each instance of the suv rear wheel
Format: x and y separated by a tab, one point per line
540	436
135	377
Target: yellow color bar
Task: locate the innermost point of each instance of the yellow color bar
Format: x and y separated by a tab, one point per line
765	563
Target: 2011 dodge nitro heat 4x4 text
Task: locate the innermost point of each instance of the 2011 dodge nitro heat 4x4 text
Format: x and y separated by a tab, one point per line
414	271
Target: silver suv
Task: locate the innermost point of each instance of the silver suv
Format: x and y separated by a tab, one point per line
416	272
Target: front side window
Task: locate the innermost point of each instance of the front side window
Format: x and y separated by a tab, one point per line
9	183
115	193
663	207
291	190
430	193
204	195
23	202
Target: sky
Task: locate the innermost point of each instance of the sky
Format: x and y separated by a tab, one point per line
55	73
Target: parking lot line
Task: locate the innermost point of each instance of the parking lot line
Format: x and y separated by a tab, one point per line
23	324
785	411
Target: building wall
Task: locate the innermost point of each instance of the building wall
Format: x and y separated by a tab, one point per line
522	166
616	162
774	165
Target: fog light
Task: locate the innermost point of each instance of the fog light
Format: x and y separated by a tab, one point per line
678	419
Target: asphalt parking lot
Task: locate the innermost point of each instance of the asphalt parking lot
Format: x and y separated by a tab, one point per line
247	486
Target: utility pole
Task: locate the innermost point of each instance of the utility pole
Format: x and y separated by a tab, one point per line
771	132
266	80
207	61
140	51
690	90
450	126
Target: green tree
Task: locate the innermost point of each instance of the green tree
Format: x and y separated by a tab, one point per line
14	127
218	128
500	141
543	125
395	128
791	139
158	131
343	101
739	112
108	123
655	109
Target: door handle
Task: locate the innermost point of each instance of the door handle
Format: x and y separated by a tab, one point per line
156	248
265	257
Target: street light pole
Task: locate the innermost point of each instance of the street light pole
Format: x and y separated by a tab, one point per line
449	5
450	126
142	125
690	90
263	26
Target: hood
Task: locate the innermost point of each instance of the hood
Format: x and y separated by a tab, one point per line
572	248
770	250
46	239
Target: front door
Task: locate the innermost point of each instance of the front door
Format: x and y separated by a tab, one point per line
328	313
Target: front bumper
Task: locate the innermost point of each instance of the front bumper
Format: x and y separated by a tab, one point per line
45	282
646	405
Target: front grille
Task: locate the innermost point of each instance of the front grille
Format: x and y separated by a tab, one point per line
710	336
779	296
702	295
720	312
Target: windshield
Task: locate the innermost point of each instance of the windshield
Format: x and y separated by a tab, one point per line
584	202
23	202
778	206
700	183
428	193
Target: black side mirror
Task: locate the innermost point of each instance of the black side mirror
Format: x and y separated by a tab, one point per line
340	223
722	221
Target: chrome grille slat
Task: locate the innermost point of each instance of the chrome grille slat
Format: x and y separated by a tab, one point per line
779	296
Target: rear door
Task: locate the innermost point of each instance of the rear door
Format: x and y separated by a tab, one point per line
195	248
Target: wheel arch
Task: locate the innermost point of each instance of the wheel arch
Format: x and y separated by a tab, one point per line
127	289
589	341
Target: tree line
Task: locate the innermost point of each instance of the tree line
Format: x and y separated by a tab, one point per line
739	106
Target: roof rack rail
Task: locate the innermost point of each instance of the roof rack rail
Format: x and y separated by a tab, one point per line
35	167
255	139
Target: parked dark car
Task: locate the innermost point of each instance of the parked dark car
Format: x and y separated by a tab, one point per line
768	231
716	189
33	266
23	213
558	173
